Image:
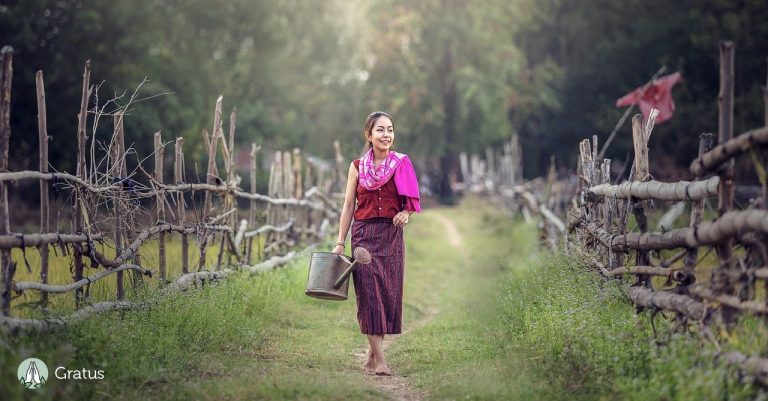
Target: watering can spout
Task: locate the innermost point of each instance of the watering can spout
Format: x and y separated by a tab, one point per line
361	255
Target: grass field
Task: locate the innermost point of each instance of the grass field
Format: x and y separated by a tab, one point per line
491	318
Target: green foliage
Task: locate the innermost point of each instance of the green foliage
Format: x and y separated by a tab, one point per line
278	63
456	75
602	49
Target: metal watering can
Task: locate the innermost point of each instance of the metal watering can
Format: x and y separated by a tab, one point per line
329	273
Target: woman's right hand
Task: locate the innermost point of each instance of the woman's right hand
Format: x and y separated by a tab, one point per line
338	249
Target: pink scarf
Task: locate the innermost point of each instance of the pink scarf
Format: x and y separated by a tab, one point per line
397	164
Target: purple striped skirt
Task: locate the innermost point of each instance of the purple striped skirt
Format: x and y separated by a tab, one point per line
379	284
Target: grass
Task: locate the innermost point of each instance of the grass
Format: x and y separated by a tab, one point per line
495	318
519	323
249	337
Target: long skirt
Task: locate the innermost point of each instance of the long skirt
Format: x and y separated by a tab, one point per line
379	284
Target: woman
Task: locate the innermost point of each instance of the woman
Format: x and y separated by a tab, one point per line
384	185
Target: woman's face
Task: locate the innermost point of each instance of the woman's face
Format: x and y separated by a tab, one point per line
382	134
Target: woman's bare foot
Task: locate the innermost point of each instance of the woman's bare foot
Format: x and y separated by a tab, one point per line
382	370
371	364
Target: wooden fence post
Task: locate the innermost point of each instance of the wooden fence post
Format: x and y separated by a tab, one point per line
706	141
209	179
339	173
298	191
274	211
77	213
605	178
231	167
252	206
118	156
230	202
8	267
212	172
160	202
642	173
720	278
178	177
42	135
287	193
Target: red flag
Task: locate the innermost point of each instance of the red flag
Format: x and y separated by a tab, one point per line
657	95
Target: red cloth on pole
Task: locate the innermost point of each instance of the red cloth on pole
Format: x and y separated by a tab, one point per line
657	95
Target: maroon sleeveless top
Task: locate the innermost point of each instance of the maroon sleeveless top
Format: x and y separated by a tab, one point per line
382	202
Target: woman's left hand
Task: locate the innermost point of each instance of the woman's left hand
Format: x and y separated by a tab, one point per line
401	219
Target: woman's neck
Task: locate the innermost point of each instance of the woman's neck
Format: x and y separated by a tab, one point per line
379	155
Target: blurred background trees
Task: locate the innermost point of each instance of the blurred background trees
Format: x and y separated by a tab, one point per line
456	75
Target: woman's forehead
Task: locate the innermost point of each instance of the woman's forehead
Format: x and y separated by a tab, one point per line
383	121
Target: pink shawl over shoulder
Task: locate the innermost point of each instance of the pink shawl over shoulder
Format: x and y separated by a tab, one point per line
397	164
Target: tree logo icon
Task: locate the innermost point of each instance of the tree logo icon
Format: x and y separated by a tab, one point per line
32	373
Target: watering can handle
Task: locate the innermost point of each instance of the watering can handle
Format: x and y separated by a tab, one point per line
345	275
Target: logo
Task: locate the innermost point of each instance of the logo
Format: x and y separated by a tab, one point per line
32	373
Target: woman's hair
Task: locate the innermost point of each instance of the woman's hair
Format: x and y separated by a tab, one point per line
371	121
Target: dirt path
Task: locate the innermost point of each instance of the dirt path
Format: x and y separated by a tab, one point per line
451	231
397	386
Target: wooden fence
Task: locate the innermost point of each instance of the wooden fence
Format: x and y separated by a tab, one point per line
109	208
599	213
499	177
739	237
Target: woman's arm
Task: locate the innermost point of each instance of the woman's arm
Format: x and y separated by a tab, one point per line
348	209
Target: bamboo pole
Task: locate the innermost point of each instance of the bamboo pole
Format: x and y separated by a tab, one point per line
595	160
683	304
160	202
733	224
9	241
310	222
298	189
42	135
231	165
287	191
706	141
207	143
338	175
673	191
77	213
725	152
271	191
118	155
178	178
607	210
45	288
642	258
210	176
252	206
230	200
8	267
721	283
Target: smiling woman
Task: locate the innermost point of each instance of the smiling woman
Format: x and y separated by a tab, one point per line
382	192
